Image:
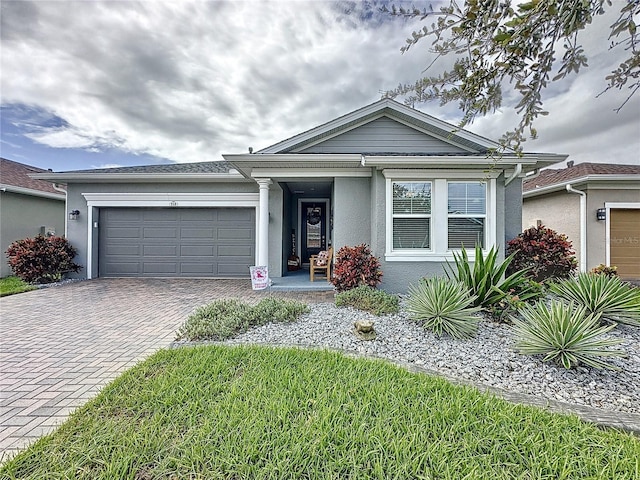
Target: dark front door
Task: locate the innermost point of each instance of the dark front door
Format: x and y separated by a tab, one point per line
313	236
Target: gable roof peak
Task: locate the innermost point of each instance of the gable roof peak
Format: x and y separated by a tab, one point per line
384	107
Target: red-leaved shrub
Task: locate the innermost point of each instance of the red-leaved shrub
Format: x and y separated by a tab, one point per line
42	259
544	252
356	266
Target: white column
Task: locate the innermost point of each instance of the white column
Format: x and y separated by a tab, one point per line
263	223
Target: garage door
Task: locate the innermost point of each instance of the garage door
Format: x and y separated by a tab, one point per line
176	242
625	242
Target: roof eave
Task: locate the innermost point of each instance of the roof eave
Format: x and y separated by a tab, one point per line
31	191
561	186
529	162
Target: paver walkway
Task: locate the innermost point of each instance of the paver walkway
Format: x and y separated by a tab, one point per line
59	346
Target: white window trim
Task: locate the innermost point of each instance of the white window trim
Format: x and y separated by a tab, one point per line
409	251
173	200
439	251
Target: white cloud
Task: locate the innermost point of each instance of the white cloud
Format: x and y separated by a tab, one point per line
190	80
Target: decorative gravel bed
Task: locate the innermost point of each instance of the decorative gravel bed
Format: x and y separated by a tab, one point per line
487	359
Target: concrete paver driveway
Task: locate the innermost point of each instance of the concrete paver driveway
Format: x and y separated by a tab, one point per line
61	345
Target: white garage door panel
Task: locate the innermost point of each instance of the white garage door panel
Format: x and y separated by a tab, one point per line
173	242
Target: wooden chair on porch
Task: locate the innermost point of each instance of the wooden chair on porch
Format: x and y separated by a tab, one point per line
321	263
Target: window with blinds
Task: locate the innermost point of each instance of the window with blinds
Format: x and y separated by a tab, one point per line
467	212
411	215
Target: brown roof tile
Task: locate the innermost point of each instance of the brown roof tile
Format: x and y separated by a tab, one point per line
17	175
551	176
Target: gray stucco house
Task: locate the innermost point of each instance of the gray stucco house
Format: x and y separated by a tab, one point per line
28	207
411	186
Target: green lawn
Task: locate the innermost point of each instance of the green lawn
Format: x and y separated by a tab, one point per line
219	412
12	285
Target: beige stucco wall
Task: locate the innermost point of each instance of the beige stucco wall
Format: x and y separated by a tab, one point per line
559	211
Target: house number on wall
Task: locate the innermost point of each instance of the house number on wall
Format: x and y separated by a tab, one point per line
173	203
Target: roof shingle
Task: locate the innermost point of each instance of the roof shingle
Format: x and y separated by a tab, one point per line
550	176
201	167
17	175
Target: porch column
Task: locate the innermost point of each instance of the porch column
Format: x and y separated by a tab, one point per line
263	222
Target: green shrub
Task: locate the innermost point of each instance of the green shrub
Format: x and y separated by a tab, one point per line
543	253
503	310
602	269
355	266
368	299
42	259
224	319
567	334
602	294
485	280
443	305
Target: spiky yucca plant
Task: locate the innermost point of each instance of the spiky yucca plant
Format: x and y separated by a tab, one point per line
567	334
486	280
443	305
605	295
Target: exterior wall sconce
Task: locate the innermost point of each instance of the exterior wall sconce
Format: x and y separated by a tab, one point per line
601	214
73	214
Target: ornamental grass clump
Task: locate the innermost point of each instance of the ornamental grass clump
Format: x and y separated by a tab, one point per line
566	334
368	299
601	294
223	319
443	305
486	280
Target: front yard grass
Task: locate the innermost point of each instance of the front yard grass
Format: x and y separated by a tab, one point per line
240	412
13	285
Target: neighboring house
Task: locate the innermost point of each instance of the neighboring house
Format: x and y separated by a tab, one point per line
411	186
28	207
597	205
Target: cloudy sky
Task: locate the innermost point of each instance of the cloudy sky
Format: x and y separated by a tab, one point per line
97	84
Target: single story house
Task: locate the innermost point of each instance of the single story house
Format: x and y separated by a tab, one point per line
597	205
411	186
28	207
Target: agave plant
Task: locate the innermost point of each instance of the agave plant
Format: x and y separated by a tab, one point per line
601	294
567	334
485	280
442	305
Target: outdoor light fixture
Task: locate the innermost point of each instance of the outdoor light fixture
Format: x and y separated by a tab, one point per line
601	214
73	214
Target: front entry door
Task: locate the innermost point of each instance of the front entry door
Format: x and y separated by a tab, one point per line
313	238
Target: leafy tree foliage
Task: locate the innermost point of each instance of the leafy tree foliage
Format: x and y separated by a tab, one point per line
497	43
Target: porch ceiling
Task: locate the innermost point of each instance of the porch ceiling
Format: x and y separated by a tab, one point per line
310	189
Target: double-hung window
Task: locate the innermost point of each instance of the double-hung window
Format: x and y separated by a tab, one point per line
411	215
467	213
430	218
